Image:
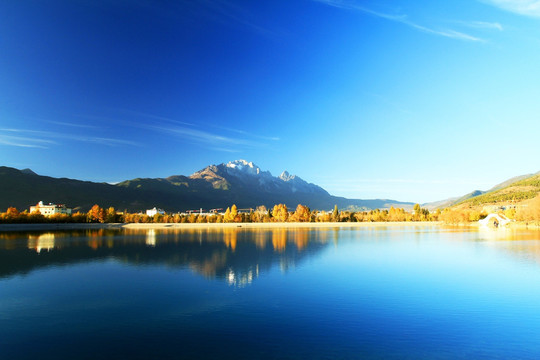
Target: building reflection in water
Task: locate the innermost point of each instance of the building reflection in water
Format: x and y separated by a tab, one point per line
239	264
520	243
235	255
241	280
151	238
41	242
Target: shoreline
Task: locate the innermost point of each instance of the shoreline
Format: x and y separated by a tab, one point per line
187	226
168	226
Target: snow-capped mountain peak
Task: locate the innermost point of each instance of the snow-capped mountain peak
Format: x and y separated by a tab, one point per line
249	173
243	166
285	176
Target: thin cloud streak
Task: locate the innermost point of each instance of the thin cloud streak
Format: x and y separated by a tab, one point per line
233	151
40	135
83	126
235	13
202	136
157	117
481	25
242	132
25	142
185	130
523	7
401	18
452	34
104	141
191	132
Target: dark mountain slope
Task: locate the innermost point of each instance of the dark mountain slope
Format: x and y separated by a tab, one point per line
216	186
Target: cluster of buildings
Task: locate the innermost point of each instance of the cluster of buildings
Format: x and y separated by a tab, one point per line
50	209
156	211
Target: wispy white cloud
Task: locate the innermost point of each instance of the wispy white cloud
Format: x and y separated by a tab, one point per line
349	5
235	151
156	117
25	142
481	25
214	140
40	139
68	124
248	134
401	18
523	7
213	137
20	138
203	136
445	33
102	140
221	11
235	13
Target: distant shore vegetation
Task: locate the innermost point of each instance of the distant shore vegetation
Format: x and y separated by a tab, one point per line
279	213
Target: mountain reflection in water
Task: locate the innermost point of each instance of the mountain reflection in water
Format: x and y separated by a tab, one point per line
235	255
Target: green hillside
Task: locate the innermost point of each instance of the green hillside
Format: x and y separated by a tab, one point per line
522	189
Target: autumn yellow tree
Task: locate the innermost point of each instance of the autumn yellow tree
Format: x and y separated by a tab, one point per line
110	216
10	216
228	217
78	217
96	214
235	217
259	214
280	213
323	216
396	214
302	214
529	211
12	212
454	216
335	214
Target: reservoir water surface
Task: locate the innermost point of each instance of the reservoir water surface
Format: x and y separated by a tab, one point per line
374	292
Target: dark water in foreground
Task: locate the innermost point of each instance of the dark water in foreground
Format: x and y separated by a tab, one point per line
384	292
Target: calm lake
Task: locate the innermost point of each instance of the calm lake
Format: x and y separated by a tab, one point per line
416	292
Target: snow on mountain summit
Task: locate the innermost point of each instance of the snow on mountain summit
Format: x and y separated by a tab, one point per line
285	176
240	164
244	167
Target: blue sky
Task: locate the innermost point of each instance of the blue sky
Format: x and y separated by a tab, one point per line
407	100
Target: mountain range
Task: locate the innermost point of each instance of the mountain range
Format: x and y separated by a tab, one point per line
215	187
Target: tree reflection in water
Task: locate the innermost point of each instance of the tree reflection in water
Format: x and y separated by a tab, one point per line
234	255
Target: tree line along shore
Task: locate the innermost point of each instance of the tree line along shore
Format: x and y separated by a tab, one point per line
278	214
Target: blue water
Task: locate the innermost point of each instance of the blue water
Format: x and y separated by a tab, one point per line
413	292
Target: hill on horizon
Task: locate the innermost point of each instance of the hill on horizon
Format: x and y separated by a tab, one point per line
514	190
215	187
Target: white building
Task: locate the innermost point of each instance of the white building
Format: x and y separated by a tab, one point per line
155	211
51	209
